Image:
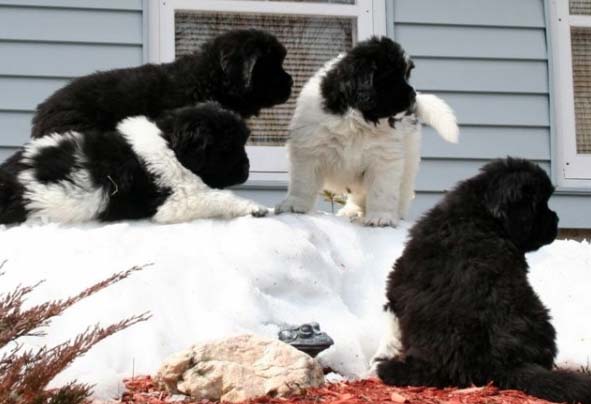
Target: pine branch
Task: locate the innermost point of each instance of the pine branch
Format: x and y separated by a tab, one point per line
24	375
15	323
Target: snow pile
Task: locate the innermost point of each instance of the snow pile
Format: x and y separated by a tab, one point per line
212	279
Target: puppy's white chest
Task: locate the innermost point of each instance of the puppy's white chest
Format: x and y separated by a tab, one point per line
348	154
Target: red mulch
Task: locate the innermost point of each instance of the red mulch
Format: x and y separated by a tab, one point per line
142	390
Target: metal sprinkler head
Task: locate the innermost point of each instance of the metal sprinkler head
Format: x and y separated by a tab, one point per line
307	338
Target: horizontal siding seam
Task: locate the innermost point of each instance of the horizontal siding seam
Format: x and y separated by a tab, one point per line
68	7
473	159
81	42
500	125
34	77
469	25
483	92
23	110
480	58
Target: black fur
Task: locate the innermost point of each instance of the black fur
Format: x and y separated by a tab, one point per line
207	140
372	78
12	207
467	312
241	69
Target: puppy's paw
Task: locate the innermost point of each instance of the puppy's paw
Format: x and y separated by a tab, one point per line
292	205
259	211
394	372
373	366
232	206
380	219
350	211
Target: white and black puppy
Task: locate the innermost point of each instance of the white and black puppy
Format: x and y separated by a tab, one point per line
166	170
240	69
355	130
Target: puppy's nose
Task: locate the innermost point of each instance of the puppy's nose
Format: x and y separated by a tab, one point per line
290	80
412	97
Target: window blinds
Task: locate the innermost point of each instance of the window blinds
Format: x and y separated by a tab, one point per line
580	7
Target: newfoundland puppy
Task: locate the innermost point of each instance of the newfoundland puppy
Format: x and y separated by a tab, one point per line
163	169
242	70
355	130
466	311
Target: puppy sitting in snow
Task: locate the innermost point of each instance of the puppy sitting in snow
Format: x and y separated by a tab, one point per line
467	314
355	130
163	169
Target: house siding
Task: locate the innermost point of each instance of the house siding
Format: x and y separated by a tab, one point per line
488	59
46	43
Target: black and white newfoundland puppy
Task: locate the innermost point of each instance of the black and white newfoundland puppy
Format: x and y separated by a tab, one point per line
241	70
355	130
169	170
466	312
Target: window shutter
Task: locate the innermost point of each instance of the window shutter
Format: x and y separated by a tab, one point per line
310	40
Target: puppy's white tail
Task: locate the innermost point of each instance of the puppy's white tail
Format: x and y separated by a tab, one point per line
436	113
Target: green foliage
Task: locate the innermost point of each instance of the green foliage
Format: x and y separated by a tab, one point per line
339	199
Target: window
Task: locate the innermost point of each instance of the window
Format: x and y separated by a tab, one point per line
571	38
313	31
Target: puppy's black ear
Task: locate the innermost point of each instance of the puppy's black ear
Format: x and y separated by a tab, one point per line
189	145
510	199
237	67
501	193
365	93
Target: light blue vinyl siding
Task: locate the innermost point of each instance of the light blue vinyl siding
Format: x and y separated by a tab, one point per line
46	43
485	13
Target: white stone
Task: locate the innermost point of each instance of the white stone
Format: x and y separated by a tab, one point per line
240	368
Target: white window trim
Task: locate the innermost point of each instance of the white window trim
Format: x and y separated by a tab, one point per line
269	164
573	171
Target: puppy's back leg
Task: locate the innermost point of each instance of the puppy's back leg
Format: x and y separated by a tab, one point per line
412	160
383	193
410	371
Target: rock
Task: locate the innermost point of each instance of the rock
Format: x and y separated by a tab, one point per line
240	368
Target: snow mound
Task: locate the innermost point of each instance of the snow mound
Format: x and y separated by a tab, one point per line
212	279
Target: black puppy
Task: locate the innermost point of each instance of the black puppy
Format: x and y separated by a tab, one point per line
164	170
241	69
466	310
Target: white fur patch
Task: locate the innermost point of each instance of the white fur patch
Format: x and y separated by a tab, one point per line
72	200
390	344
33	148
438	114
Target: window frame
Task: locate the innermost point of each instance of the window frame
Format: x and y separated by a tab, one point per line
572	170
269	164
